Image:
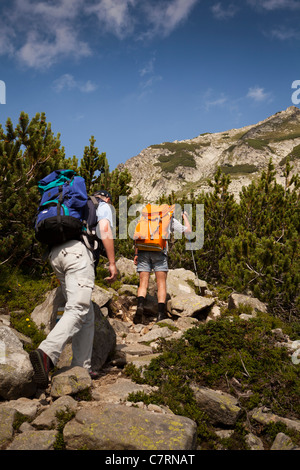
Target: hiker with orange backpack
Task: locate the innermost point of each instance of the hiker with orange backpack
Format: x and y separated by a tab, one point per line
151	247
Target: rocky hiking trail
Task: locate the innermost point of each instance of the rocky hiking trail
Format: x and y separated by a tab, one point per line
103	418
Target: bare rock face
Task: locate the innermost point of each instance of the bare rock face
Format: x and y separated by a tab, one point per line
182	166
15	368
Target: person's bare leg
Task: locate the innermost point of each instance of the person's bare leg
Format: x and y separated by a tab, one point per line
161	280
143	286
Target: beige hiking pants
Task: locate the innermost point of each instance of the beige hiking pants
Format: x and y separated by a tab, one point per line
73	265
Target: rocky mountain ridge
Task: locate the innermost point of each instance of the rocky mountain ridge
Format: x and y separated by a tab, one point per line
182	166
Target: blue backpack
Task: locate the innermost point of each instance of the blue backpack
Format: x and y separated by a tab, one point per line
60	212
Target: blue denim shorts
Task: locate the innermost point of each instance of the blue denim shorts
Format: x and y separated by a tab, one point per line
152	260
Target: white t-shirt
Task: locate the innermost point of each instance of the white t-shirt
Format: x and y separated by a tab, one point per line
103	212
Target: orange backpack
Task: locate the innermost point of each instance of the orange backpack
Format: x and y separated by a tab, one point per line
152	230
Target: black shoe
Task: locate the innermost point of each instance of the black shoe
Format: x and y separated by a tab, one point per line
161	316
94	375
42	365
138	317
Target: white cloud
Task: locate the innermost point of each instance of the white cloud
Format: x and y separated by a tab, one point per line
284	33
258	94
68	82
165	17
211	99
148	67
149	78
42	53
271	5
222	13
42	33
6	40
114	15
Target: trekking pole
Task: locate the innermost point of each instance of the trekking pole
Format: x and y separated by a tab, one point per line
195	268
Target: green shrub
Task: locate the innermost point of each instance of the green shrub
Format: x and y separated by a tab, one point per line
221	355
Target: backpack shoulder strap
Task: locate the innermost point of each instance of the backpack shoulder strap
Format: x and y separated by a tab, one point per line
94	200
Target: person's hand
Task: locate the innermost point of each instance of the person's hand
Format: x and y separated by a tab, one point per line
113	273
135	260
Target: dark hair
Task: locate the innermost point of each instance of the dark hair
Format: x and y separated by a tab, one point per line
103	193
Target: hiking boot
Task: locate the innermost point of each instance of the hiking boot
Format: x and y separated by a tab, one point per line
161	316
94	375
138	317
42	365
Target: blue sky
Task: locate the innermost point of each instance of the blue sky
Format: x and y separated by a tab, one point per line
138	72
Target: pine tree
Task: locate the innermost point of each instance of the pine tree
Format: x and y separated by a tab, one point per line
263	256
27	153
92	165
220	218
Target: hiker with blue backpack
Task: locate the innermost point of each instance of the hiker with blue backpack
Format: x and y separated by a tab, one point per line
68	221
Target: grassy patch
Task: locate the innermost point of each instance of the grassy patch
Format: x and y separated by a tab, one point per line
293	156
219	355
244	168
20	293
169	163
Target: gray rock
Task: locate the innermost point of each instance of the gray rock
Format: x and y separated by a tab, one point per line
221	407
104	340
26	406
133	349
182	281
155	334
128	289
34	440
69	381
118	390
263	416
101	296
16	372
236	300
141	430
7	417
46	313
48	418
254	442
125	267
282	442
189	305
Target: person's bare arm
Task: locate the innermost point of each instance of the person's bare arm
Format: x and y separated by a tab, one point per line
108	242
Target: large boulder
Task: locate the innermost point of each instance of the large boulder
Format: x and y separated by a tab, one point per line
104	340
189	305
181	281
255	305
16	372
117	427
45	314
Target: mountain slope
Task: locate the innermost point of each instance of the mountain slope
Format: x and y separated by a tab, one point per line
182	166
